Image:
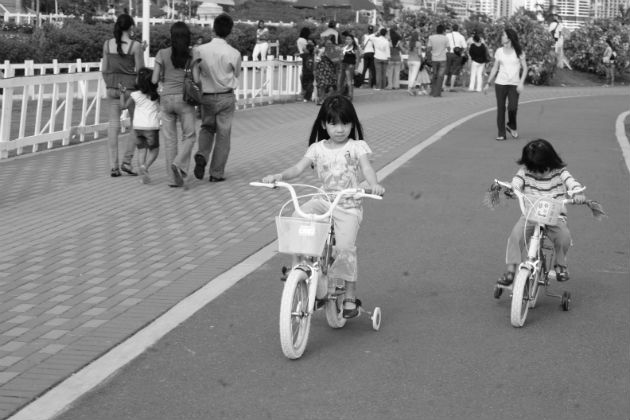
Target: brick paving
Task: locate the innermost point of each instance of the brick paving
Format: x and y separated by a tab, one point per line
87	260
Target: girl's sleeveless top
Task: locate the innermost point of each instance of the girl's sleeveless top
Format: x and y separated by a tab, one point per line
120	69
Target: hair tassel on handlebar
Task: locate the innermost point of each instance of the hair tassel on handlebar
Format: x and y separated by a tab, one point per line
492	196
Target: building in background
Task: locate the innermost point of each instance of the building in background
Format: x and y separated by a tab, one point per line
607	8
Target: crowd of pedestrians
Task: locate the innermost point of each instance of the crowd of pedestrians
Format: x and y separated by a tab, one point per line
332	63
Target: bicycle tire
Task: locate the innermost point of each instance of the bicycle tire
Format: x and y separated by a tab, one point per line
295	320
520	298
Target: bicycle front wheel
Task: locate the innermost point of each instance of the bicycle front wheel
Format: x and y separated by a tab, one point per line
295	319
520	298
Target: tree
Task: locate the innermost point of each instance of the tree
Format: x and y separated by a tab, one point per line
624	15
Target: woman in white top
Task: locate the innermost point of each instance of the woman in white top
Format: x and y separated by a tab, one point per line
262	42
510	69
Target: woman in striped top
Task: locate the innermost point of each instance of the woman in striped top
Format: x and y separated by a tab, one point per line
542	173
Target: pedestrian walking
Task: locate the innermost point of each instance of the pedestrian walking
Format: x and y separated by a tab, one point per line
146	121
350	52
326	73
367	45
454	56
478	53
169	72
542	173
437	45
262	42
308	72
303	40
510	70
381	58
414	61
340	156
609	60
394	64
122	57
218	73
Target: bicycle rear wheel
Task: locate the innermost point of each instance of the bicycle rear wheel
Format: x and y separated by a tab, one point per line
295	320
520	298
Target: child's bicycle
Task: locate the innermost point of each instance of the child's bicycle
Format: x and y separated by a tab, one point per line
307	287
536	271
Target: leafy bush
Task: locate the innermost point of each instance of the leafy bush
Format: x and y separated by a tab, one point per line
585	47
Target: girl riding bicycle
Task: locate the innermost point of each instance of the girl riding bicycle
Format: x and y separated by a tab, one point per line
339	154
543	173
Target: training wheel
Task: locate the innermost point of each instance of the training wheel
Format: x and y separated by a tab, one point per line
376	318
497	292
566	301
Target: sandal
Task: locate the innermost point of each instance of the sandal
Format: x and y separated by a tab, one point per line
500	138
506	279
561	273
351	313
513	133
126	167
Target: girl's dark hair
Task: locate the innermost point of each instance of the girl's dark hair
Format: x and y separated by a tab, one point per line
145	85
305	32
180	44
123	23
540	156
513	37
336	108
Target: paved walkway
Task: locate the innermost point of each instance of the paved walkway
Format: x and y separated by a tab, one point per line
87	260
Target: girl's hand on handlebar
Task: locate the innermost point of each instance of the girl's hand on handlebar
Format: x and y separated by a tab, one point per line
579	199
377	189
272	179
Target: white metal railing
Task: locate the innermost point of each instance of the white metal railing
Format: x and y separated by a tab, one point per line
41	110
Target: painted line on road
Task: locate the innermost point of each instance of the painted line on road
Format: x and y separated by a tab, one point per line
59	398
622	139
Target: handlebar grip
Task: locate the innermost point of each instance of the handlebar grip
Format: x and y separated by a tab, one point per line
262	184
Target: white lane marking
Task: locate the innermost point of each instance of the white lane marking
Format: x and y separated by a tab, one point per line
60	397
622	139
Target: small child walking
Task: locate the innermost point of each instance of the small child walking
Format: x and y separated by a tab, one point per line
424	79
146	122
340	156
308	72
542	173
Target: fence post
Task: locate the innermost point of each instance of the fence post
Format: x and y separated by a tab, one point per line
6	112
67	115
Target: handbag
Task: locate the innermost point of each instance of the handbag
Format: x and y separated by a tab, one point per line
192	90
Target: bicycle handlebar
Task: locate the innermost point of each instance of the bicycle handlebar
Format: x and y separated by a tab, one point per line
521	194
357	192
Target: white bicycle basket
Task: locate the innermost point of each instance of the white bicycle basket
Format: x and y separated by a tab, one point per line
301	236
544	210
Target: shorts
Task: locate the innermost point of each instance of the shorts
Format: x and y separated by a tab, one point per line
453	64
147	139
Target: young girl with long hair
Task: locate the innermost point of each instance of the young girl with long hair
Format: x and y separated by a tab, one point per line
510	70
542	172
146	122
340	156
169	70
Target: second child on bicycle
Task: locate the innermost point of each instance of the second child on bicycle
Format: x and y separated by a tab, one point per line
542	173
340	155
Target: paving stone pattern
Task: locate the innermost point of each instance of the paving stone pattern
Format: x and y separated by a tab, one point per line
87	260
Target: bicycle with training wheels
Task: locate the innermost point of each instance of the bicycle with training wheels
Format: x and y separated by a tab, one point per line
537	270
311	238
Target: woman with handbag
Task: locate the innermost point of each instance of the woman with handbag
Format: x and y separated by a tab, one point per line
169	72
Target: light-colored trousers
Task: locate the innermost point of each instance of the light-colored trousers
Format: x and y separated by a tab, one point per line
173	108
516	247
476	76
414	69
393	74
346	224
260	50
113	129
